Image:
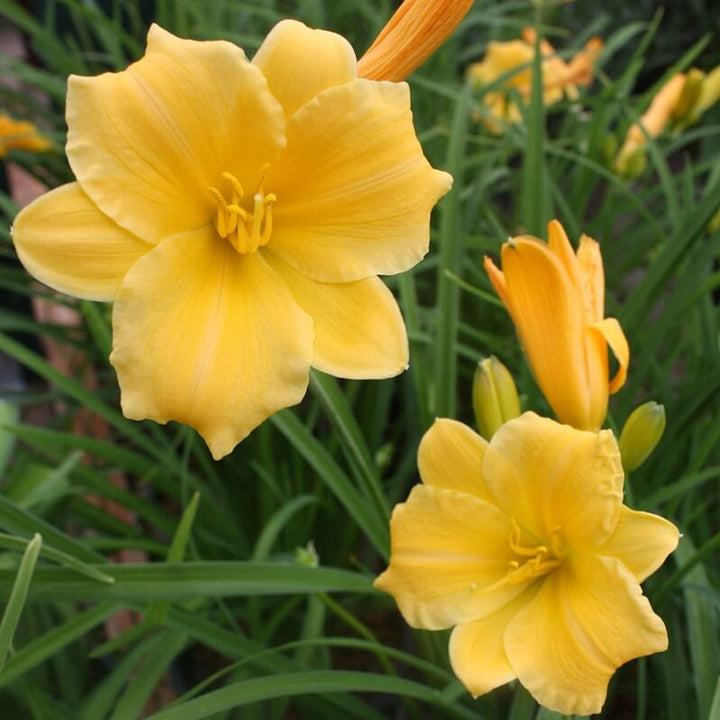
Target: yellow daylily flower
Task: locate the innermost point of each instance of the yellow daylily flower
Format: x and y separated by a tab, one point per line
20	135
556	299
524	546
237	214
514	58
414	32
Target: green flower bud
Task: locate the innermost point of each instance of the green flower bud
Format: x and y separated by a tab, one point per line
642	432
495	398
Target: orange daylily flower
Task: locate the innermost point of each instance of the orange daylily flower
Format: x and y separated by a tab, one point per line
410	37
559	78
556	300
20	135
678	103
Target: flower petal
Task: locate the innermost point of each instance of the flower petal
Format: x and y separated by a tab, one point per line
67	243
641	542
589	618
589	261
448	552
210	338
354	191
451	456
613	334
548	316
477	649
299	62
148	142
359	331
546	475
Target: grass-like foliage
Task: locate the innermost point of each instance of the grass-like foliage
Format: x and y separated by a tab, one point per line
140	578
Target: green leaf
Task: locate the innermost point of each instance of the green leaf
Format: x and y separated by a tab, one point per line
176	581
19	592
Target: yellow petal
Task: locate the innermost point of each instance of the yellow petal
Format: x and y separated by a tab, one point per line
547	476
477	649
589	618
451	456
641	542
448	550
67	243
593	278
354	189
148	142
548	316
412	34
299	62
612	333
359	331
210	338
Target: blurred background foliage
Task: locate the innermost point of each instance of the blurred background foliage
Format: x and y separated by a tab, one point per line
259	601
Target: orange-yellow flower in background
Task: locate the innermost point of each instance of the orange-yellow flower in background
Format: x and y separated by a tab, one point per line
237	214
525	547
513	59
679	103
556	299
410	37
20	135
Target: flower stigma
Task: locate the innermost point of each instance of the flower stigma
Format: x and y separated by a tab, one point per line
245	229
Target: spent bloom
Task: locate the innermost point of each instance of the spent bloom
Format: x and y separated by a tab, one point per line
510	64
556	299
410	37
523	545
237	213
20	135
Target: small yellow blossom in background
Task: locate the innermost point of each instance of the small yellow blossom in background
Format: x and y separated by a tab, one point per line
410	37
524	546
237	214
514	59
680	102
556	298
20	135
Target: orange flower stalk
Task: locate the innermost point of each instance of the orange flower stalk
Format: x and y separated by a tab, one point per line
410	37
556	300
20	135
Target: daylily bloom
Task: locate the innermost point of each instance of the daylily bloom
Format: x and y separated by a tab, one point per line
410	37
237	213
20	135
524	546
679	103
556	299
514	59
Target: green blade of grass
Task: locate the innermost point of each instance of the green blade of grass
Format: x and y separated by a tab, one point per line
18	594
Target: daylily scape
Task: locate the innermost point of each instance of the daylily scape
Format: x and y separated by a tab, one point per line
525	547
237	213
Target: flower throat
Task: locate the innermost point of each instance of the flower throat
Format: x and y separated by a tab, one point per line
246	230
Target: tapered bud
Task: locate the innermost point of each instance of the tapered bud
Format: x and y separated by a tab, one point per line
642	432
495	398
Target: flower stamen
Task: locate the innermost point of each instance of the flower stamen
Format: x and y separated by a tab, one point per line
245	230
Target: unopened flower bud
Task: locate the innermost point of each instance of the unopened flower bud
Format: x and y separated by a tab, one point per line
641	433
684	110
495	398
